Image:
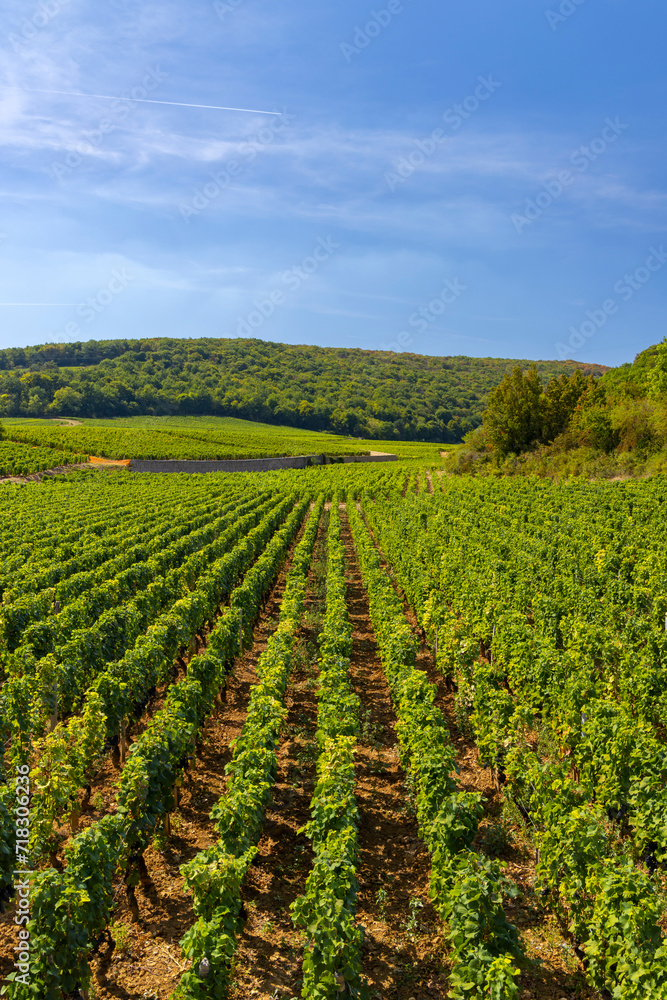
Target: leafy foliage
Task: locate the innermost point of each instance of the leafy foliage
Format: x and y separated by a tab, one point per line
521	413
145	790
332	958
604	426
467	890
547	603
215	875
25	459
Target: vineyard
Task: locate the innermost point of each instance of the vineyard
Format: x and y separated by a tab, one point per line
19	459
349	731
32	446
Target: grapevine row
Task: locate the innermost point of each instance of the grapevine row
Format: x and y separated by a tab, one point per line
71	911
466	889
215	875
326	911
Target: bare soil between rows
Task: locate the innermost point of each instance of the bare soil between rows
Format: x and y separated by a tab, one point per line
403	955
400	959
552	970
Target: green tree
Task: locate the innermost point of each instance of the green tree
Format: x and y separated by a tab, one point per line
513	418
591	424
560	402
657	375
66	401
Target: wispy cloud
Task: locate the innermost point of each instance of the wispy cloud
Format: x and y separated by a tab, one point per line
120	197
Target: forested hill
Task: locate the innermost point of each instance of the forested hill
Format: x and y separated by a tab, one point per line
375	394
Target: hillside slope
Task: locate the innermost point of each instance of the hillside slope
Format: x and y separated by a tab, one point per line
374	394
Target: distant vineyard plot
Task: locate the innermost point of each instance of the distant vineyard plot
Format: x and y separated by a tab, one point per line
24	459
196	439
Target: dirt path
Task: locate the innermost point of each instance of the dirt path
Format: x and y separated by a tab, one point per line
36	477
268	960
403	954
109	463
95	464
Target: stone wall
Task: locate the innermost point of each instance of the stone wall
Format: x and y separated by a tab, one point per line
252	464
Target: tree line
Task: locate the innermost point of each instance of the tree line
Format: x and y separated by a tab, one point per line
625	410
373	394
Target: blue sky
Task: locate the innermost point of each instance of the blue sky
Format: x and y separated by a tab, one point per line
447	177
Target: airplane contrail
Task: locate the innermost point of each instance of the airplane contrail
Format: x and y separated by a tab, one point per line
143	100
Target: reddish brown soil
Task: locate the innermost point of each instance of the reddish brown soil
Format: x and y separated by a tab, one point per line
403	953
268	959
